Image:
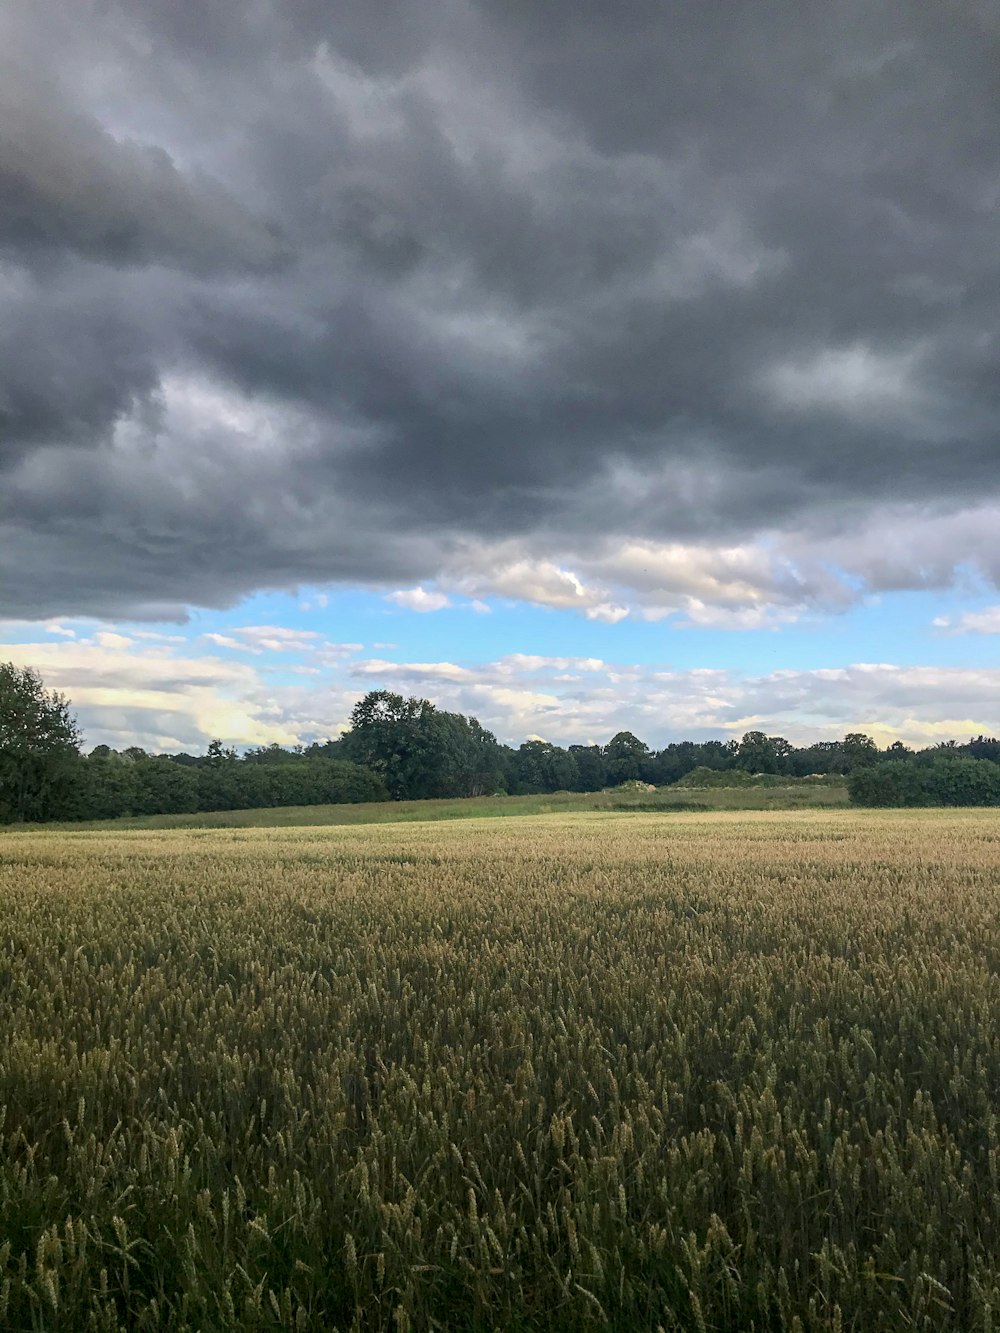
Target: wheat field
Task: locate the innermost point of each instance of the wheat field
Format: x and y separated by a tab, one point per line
589	1071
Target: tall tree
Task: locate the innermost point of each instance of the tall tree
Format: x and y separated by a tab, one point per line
627	758
984	747
395	738
540	766
421	751
591	767
860	750
759	753
39	746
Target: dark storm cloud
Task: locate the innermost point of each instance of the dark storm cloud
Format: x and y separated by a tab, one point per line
68	185
315	292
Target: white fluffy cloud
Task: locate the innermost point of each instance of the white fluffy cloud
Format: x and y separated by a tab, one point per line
986	621
775	579
163	695
586	700
259	639
276	639
724	586
418	599
413	671
157	696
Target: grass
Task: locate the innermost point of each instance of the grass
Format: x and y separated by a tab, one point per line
723	1071
830	794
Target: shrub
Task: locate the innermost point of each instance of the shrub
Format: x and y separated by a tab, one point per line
943	781
715	777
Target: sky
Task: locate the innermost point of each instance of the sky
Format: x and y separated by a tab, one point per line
577	366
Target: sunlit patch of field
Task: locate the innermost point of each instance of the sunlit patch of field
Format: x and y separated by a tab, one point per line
692	1071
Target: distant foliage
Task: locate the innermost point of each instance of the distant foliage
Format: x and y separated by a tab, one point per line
714	777
114	784
947	780
405	748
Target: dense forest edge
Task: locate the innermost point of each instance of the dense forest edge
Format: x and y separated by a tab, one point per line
406	749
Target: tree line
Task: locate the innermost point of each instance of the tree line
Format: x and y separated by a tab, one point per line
401	748
948	774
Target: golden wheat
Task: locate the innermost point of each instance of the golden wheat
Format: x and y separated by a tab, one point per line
716	1072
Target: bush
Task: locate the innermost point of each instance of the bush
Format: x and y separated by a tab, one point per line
892	784
964	782
739	777
164	788
240	786
944	781
703	776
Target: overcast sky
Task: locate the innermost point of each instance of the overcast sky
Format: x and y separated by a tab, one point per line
513	336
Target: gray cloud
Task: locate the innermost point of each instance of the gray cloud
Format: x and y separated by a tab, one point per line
68	185
321	294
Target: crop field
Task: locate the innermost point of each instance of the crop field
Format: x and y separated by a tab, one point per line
690	1071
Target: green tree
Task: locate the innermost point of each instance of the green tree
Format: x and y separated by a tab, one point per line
163	787
895	783
223	782
481	768
321	781
591	767
954	780
420	751
626	757
389	736
219	754
783	751
681	757
272	754
105	785
860	750
823	757
947	779
758	753
983	747
539	766
39	746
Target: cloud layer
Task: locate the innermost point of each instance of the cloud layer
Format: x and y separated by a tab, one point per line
420	299
257	686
